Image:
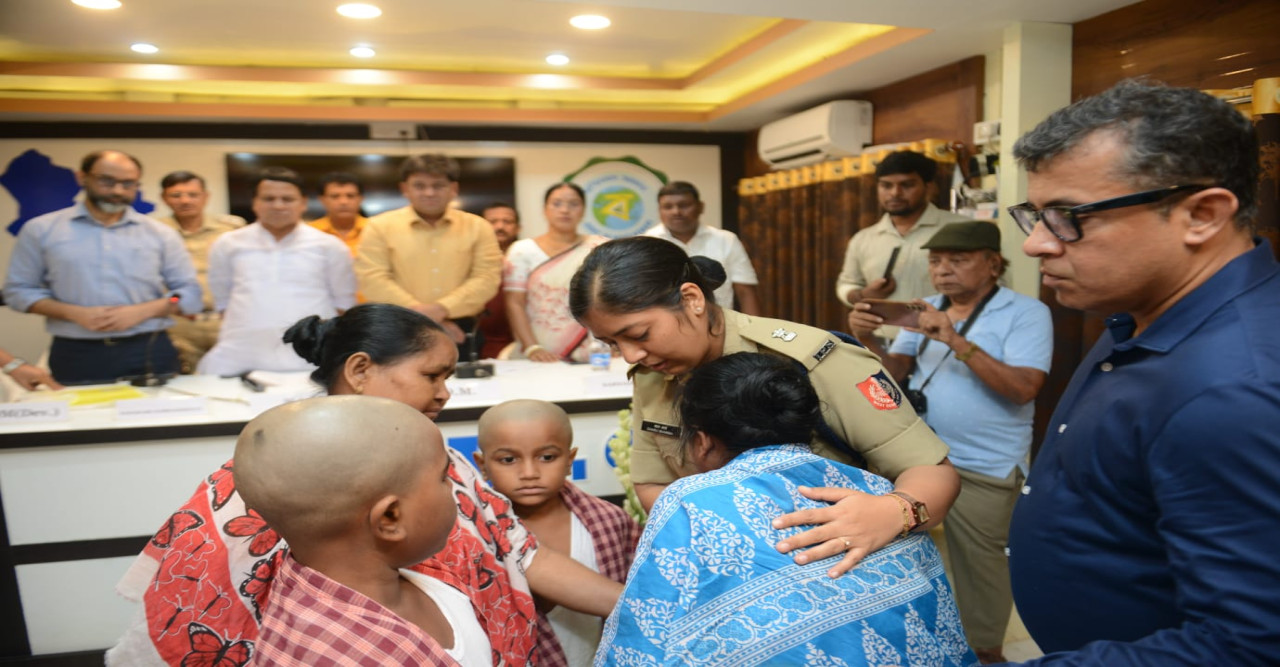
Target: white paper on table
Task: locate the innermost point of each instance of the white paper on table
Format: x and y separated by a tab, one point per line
161	408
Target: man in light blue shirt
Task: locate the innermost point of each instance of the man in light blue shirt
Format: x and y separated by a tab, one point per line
106	278
979	355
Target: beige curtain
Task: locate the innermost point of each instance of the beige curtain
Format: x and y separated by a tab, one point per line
796	224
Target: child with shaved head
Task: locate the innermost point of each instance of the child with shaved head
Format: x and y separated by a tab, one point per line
354	517
526	452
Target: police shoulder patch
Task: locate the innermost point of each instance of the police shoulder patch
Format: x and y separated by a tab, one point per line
881	392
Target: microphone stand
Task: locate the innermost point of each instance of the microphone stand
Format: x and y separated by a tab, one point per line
148	377
473	368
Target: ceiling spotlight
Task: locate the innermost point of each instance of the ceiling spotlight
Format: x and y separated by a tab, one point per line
557	59
359	10
362	52
143	47
590	22
97	4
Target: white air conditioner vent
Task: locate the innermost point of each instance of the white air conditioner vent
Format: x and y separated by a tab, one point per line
835	129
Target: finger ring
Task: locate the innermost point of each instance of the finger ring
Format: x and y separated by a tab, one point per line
847	544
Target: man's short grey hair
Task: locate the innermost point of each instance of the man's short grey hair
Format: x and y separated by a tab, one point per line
1175	136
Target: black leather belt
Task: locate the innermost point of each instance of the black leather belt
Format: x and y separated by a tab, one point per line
109	341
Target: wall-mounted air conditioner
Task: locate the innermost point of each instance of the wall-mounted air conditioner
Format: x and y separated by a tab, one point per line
835	129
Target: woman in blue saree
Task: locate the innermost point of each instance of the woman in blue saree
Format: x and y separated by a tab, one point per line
708	587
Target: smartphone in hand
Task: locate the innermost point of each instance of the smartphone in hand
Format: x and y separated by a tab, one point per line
896	313
893	260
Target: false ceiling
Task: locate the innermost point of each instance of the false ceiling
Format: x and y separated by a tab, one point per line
677	64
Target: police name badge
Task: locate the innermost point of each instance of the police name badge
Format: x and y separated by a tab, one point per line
786	336
660	428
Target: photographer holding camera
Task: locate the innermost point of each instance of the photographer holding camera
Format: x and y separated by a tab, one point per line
976	359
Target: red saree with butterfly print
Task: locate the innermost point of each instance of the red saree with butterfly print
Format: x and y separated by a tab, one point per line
204	579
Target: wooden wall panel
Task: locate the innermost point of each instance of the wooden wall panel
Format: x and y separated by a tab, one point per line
943	103
1196	43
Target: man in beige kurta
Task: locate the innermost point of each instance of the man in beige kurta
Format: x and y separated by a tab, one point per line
186	196
904	186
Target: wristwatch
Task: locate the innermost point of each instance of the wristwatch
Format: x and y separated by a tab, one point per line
919	512
12	366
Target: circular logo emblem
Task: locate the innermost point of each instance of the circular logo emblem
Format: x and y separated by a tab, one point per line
622	195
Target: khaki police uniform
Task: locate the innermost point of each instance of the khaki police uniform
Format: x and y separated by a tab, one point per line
195	335
861	403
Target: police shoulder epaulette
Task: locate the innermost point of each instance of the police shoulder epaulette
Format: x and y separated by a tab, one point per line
805	344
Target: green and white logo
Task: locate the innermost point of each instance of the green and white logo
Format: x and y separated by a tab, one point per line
622	195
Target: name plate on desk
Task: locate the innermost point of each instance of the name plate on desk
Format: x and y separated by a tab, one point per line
28	413
161	408
606	383
475	391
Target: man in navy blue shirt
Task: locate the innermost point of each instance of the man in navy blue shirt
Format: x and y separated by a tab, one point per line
1147	531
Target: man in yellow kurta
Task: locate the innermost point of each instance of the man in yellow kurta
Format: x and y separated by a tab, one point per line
440	261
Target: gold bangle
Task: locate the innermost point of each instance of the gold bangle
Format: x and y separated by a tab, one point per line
531	349
964	356
907	515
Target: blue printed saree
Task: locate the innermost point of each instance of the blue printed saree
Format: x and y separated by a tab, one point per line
708	588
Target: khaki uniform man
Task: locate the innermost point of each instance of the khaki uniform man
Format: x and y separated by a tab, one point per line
185	194
864	406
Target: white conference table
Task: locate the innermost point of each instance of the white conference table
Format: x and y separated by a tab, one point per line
81	495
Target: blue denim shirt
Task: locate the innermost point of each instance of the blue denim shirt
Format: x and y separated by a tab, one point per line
1149	529
69	256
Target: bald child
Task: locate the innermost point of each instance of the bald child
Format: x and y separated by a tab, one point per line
526	452
354	515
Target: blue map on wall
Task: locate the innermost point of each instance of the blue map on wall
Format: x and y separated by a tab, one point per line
40	187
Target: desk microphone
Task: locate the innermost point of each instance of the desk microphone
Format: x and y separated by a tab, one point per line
474	368
148	377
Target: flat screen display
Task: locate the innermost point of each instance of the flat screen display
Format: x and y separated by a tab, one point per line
484	180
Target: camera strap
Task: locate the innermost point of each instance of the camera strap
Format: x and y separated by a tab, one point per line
968	324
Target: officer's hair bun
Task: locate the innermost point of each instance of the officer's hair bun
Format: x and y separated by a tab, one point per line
712	272
750	400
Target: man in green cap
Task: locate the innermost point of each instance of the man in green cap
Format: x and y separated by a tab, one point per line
978	357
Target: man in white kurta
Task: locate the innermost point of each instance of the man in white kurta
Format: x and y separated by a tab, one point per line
680	208
267	276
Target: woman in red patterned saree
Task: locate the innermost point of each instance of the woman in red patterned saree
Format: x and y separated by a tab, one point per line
205	577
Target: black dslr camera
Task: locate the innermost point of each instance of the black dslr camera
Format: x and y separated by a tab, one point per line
918	400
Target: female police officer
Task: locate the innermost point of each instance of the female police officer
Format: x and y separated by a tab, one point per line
656	305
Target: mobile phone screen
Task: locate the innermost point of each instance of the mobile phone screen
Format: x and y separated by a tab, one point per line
896	313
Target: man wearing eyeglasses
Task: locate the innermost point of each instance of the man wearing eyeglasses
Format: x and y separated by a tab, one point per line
106	278
1146	532
429	256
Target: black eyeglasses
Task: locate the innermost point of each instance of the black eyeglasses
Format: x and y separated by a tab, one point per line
1064	221
109	183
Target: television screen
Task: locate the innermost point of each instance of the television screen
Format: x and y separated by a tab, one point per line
484	180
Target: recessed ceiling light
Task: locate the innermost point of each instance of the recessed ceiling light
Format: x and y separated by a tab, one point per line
557	59
359	10
143	47
362	52
98	4
590	22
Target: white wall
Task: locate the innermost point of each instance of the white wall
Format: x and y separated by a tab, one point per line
538	165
